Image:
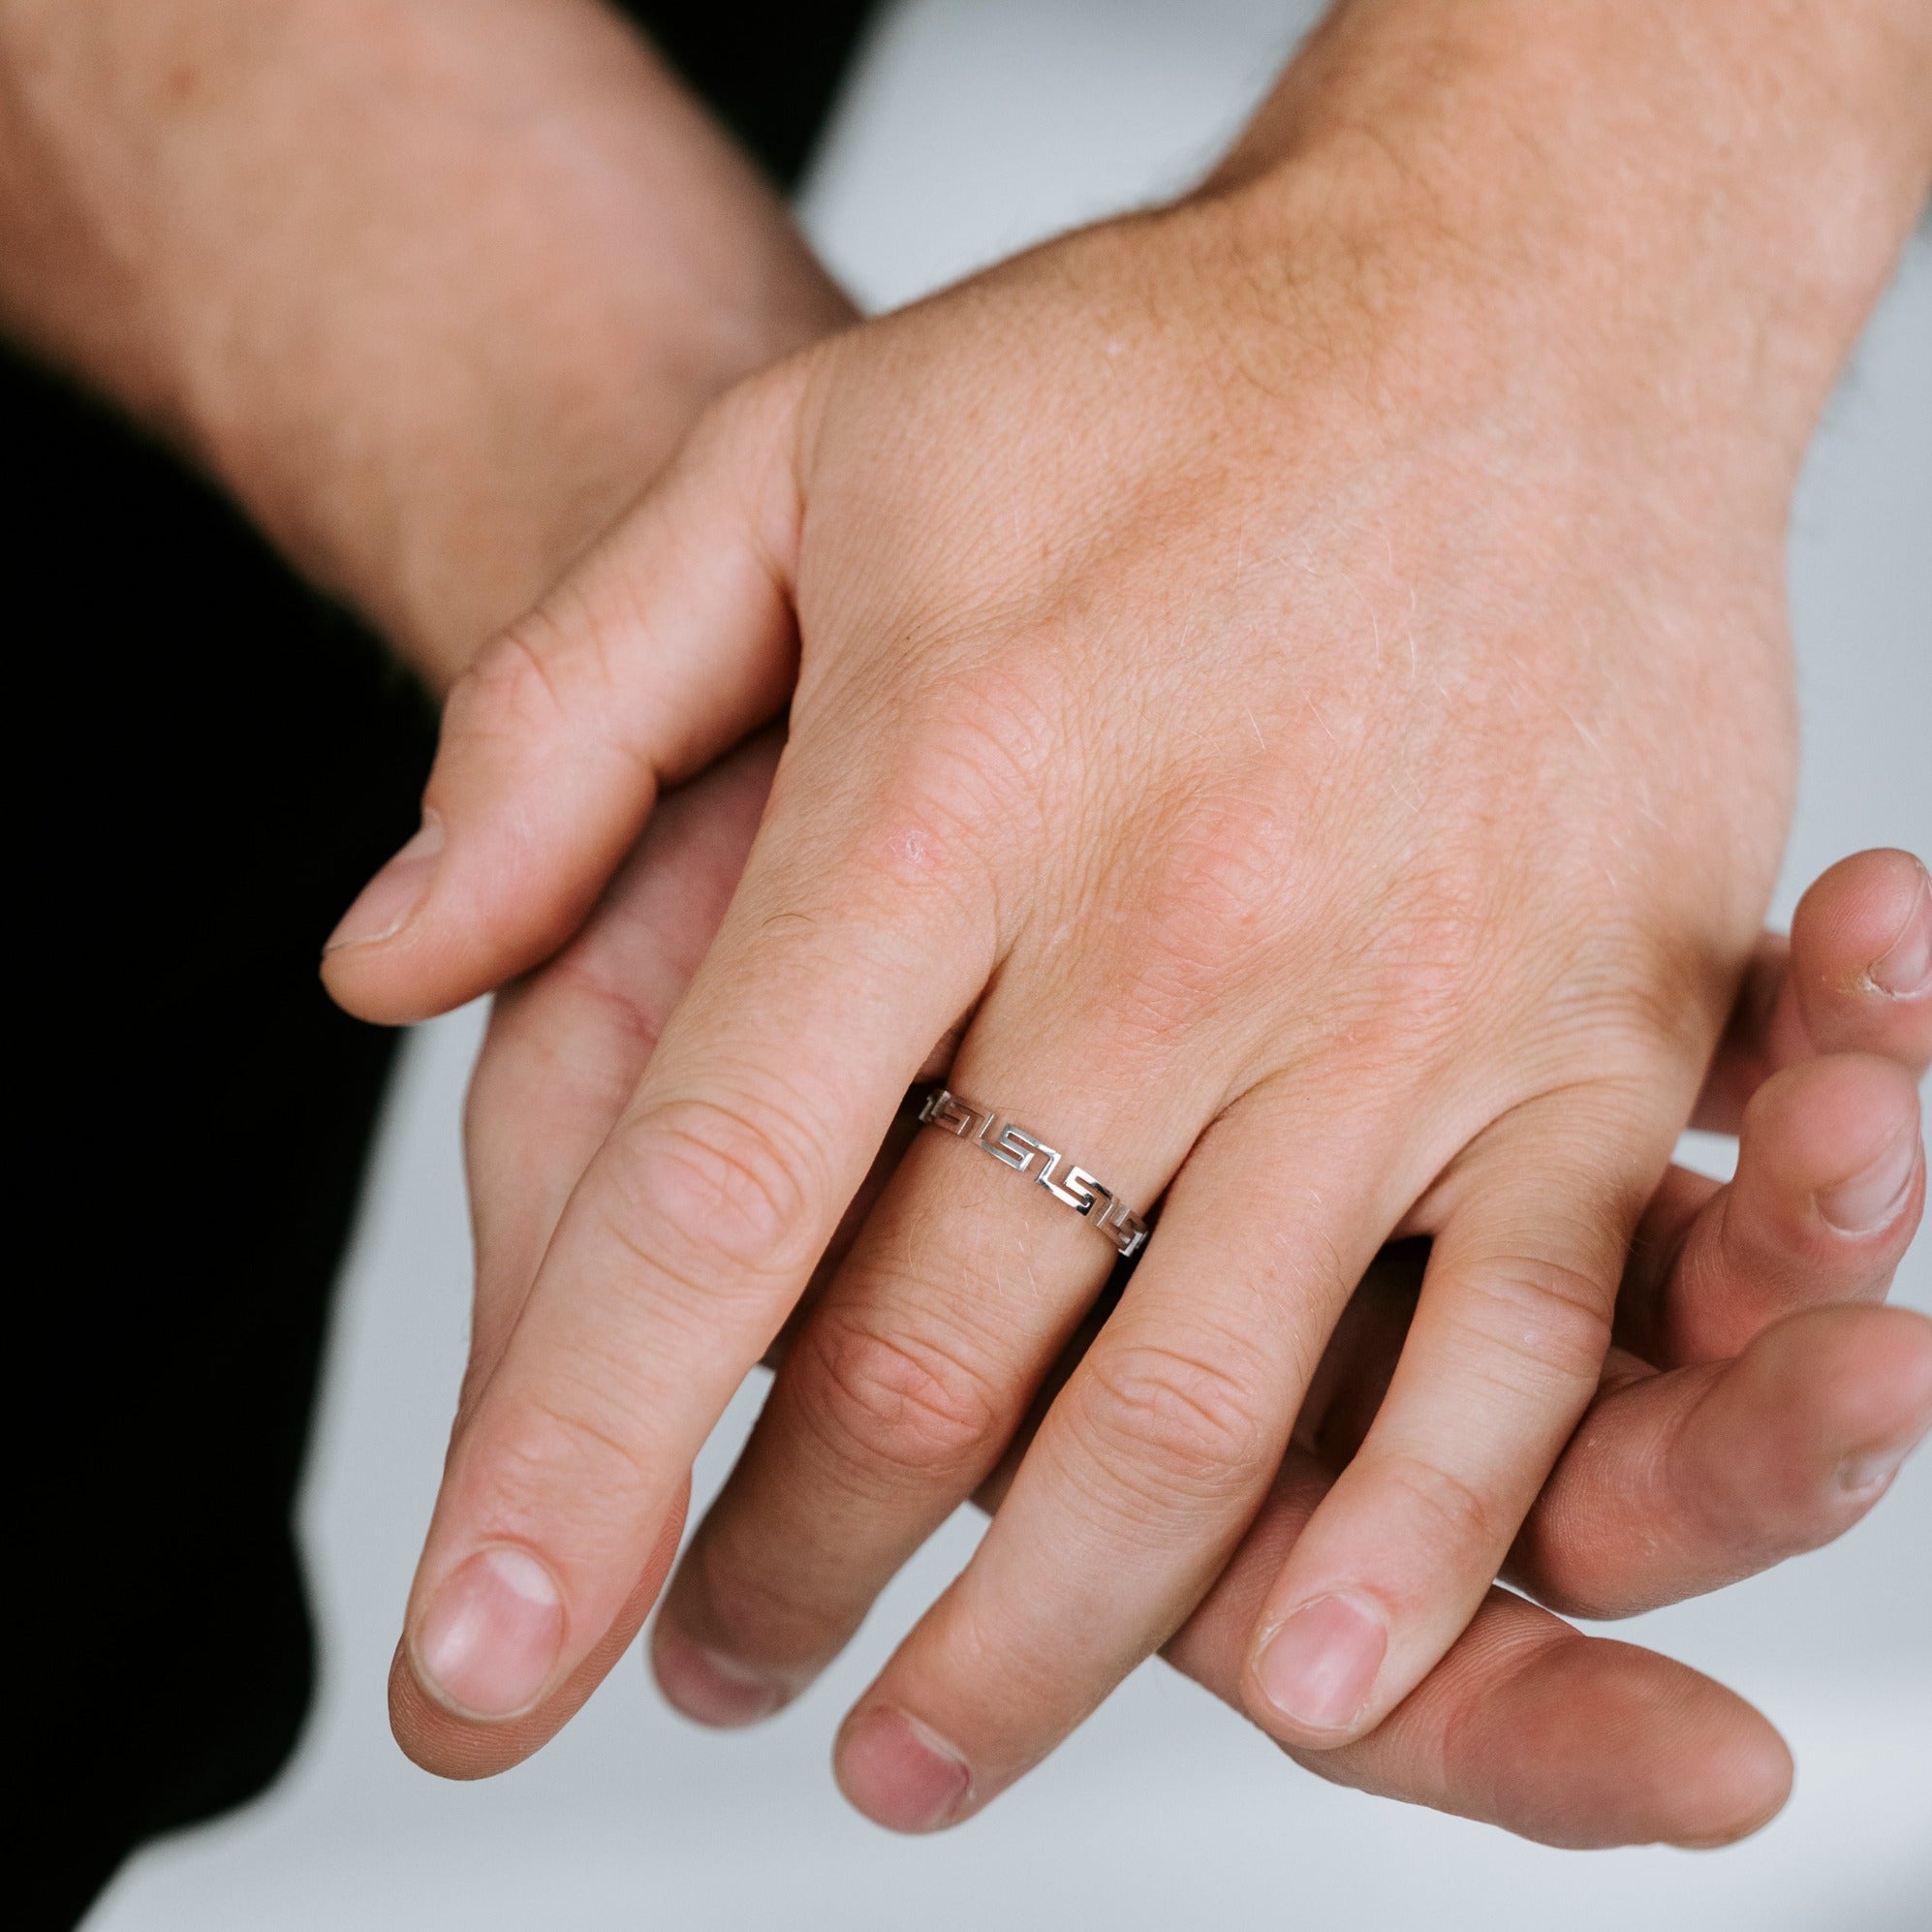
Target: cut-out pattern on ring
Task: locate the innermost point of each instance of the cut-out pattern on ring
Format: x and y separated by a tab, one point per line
1027	1154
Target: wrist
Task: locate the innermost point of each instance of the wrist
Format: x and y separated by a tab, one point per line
437	387
509	430
1676	215
431	289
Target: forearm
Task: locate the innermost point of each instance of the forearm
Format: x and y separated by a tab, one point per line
1702	197
430	285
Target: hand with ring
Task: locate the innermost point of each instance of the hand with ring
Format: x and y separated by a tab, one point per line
1260	719
1754	1409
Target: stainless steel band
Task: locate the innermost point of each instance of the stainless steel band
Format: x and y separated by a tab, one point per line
1027	1154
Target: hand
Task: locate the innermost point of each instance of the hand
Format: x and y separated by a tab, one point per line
1778	1437
1245	662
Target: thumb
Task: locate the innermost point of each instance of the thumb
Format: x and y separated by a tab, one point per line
671	640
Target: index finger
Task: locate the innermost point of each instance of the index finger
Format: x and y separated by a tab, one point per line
676	1261
567	1046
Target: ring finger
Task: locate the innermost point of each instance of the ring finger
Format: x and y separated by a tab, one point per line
903	1387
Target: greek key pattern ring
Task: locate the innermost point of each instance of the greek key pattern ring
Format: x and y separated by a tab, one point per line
1027	1154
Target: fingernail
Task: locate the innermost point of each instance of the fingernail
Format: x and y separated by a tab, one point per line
901	1773
1318	1667
384	905
1870	1199
1906	969
709	1687
1869	1470
489	1640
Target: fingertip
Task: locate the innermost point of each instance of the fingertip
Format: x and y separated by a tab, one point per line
360	955
1744	1783
899	1772
387	903
1872	1366
1802	1435
436	1740
459	914
1314	1672
1832	1145
707	1686
1598	1743
454	1744
1874	1377
488	1643
1836	1102
1854	912
1861	955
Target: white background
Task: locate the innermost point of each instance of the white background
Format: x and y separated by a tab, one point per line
972	126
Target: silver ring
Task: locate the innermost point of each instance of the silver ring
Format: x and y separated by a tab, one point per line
1027	1154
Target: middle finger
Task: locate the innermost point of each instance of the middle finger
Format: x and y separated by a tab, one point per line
1146	1470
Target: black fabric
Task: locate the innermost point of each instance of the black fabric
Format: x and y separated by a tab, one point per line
768	71
218	759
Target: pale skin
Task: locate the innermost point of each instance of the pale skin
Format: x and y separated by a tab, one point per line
391	515
1756	1405
1312	655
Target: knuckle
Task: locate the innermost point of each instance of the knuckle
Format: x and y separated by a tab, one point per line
1209	901
1540	1321
1445	1513
1435	949
929	836
1171	1426
950	792
911	1404
761	1610
558	666
705	1185
515	683
565	1445
976	753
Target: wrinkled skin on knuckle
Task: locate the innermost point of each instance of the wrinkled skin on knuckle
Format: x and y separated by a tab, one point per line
953	808
1534	1327
710	1193
1168	1430
929	778
515	684
1209	917
753	1609
569	1441
555	666
1418	969
892	1403
1503	982
1441	1513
